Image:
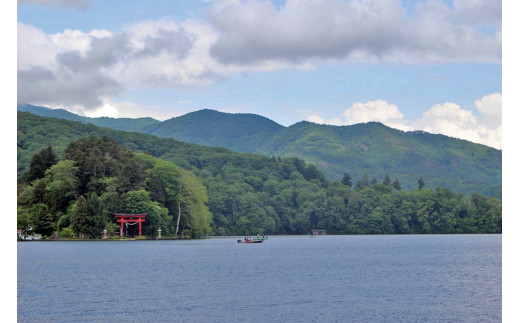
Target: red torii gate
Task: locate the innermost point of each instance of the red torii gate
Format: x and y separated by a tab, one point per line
130	218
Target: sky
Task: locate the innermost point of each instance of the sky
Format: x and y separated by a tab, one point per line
428	65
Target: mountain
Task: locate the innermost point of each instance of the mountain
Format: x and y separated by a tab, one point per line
377	150
247	193
240	132
126	124
371	148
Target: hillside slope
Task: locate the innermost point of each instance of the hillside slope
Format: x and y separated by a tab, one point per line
372	148
376	150
238	131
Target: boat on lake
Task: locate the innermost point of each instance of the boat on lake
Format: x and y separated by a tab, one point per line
257	239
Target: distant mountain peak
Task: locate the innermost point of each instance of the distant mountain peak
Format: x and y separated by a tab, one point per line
222	114
241	132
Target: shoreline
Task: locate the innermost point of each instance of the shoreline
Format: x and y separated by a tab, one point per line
270	236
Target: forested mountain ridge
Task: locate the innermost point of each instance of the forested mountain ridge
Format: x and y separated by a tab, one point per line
371	148
375	149
251	194
239	132
126	124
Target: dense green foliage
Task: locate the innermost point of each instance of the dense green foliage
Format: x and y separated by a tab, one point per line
370	148
375	149
254	194
238	132
40	163
96	178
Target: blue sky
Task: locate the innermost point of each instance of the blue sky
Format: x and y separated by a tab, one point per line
414	65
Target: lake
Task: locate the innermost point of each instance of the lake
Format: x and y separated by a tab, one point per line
393	278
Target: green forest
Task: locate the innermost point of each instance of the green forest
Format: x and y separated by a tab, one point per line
69	171
79	194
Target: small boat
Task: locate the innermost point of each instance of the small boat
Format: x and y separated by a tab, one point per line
258	239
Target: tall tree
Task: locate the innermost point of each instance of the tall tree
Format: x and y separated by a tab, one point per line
79	217
191	201
40	162
387	181
95	219
420	183
62	185
96	158
43	221
396	184
38	192
131	175
347	180
25	221
62	176
362	183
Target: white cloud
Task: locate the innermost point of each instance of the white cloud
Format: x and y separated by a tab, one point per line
451	120
364	30
452	112
320	120
34	47
88	68
316	119
479	11
73	68
378	110
106	110
120	109
80	4
490	107
76	40
256	31
167	53
64	69
126	109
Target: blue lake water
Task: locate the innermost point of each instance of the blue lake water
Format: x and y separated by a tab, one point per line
398	278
